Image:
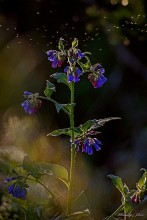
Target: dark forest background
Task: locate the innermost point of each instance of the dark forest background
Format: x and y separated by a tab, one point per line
115	32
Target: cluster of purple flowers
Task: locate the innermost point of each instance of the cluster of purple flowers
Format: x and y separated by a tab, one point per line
32	104
96	76
75	54
18	187
73	76
17	191
86	145
56	57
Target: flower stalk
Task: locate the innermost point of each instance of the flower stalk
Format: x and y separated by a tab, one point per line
73	153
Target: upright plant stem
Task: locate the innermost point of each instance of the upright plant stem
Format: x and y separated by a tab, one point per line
73	152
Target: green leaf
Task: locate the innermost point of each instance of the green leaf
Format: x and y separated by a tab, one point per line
61	78
58	107
50	88
61	45
87	125
142	183
31	167
75	42
126	189
80	203
128	205
56	170
117	183
94	123
66	131
39	169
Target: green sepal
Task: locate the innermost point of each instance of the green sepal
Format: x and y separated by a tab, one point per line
75	42
50	88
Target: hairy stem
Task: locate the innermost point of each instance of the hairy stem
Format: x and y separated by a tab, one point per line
73	153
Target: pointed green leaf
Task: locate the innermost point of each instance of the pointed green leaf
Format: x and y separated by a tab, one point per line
80	203
128	205
75	42
58	132
101	122
126	189
50	88
66	131
61	45
31	167
87	125
58	107
94	123
142	183
58	171
117	183
61	78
